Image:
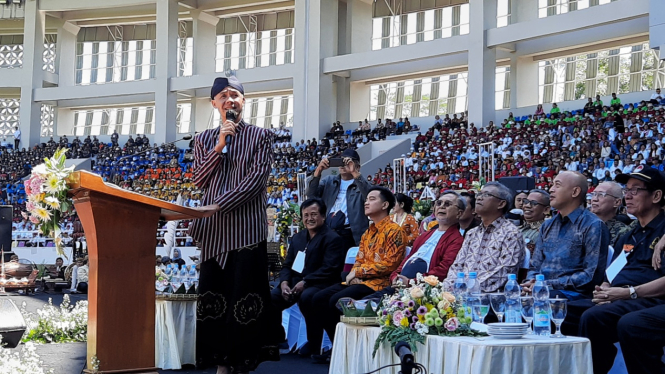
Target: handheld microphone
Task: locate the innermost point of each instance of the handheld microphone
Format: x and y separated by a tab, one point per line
231	115
403	350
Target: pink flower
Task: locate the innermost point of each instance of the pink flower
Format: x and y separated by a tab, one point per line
28	189
452	324
29	206
397	318
34	220
25	215
36	184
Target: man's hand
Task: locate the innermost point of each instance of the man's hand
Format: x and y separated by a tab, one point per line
607	295
527	287
298	288
286	291
323	165
208	210
354	281
350	277
400	280
657	252
351	167
228	128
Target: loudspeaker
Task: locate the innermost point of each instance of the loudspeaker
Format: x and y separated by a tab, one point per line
518	183
12	325
6	216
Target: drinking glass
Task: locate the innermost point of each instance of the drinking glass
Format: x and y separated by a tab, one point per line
558	309
527	311
498	302
481	306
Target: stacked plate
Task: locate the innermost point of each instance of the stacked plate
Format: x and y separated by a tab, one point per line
507	330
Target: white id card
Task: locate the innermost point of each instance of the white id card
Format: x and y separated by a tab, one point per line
616	266
299	262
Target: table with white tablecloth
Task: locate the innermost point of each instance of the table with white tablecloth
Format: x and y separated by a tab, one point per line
175	333
353	346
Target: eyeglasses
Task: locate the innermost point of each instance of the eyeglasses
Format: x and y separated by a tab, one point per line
446	204
603	194
633	191
532	202
482	195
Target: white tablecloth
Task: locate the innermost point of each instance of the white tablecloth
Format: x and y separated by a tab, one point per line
353	346
175	333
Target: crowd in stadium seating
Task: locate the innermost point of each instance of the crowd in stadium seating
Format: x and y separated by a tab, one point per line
598	140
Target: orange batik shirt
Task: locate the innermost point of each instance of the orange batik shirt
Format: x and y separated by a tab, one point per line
382	249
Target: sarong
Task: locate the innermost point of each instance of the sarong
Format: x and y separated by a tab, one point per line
236	324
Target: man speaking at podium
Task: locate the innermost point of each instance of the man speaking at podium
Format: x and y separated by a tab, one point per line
236	328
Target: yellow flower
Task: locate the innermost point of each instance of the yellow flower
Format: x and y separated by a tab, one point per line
421	319
404	322
52	184
52	202
388	321
429	306
43	214
40	197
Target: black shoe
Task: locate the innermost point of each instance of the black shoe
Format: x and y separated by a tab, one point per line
305	351
323	358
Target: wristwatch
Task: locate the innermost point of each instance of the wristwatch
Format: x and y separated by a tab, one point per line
633	293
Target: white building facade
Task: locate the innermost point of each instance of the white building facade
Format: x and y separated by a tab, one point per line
145	66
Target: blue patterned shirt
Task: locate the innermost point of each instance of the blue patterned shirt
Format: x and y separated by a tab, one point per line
571	252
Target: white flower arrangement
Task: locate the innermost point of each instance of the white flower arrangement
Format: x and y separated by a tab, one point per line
53	324
25	361
47	196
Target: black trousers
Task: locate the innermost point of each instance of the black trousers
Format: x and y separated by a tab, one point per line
601	325
642	338
325	314
16	142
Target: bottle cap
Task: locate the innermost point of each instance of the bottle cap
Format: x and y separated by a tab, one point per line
540	277
512	277
473	274
460	274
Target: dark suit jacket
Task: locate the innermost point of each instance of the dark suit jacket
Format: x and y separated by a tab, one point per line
324	258
444	254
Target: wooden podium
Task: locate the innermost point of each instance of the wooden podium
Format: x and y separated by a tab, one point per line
120	228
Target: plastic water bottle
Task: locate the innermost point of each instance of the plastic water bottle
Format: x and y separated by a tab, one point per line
460	288
513	304
541	307
473	286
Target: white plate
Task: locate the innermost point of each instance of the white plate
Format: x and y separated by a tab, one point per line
504	324
506	331
507	336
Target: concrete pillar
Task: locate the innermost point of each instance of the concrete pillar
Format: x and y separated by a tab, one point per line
33	77
524	10
359	26
343	93
523	82
65	54
657	26
482	63
202	113
313	92
359	95
64	122
204	34
167	50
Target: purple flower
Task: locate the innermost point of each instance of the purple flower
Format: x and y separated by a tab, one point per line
412	304
422	311
414	319
400	304
385	312
407	313
412	326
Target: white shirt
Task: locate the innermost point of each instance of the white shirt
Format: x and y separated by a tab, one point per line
599	173
426	251
340	202
17	134
628	169
655	96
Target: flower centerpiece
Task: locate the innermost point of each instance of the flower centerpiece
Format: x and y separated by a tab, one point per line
423	308
287	217
422	209
47	196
